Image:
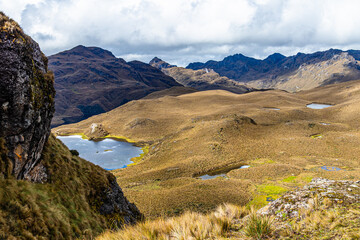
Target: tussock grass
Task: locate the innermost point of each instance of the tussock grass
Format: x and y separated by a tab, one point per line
188	226
258	227
323	221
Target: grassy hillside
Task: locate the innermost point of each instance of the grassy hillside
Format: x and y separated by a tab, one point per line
320	221
217	132
66	207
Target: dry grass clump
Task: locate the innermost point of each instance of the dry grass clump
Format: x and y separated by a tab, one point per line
189	226
323	220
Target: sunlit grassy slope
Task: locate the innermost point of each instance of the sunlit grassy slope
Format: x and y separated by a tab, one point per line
218	131
321	221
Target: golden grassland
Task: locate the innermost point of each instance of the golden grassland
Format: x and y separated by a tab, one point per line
217	131
321	221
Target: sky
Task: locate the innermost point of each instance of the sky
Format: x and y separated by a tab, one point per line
184	31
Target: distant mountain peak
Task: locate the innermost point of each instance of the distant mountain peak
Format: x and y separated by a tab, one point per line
275	57
158	63
88	52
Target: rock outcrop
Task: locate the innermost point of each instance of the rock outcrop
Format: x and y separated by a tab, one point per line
26	100
336	191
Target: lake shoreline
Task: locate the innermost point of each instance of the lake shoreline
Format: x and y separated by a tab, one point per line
132	160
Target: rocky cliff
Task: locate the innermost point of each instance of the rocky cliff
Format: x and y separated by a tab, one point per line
76	199
26	100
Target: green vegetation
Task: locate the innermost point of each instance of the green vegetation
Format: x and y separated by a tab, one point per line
65	207
270	189
136	160
258	227
314	136
5	163
290	179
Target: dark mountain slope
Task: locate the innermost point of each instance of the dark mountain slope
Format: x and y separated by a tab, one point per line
91	80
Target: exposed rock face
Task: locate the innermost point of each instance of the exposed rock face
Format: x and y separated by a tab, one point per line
160	64
26	100
115	202
338	192
96	130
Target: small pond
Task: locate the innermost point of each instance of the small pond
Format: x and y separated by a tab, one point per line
206	177
318	106
108	153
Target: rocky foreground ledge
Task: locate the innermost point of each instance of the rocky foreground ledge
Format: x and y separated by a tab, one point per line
323	209
341	192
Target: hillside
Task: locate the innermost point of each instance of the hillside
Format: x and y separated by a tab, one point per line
91	80
293	73
285	143
202	79
46	192
323	209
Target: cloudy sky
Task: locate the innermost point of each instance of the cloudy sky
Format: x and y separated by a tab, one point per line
183	31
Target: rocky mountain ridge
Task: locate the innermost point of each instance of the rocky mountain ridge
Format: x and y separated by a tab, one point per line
201	79
288	73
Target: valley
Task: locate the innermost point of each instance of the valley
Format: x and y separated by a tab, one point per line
217	132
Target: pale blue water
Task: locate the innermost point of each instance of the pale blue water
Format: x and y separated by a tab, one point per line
108	153
318	106
206	177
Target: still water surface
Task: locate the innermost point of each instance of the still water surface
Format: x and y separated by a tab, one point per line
108	153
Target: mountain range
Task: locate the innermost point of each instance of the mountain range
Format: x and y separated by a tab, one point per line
91	80
201	79
294	73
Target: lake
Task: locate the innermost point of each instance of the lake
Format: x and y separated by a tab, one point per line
108	153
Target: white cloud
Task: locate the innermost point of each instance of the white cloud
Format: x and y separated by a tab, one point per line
192	30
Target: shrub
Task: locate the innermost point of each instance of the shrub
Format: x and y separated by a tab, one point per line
74	152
